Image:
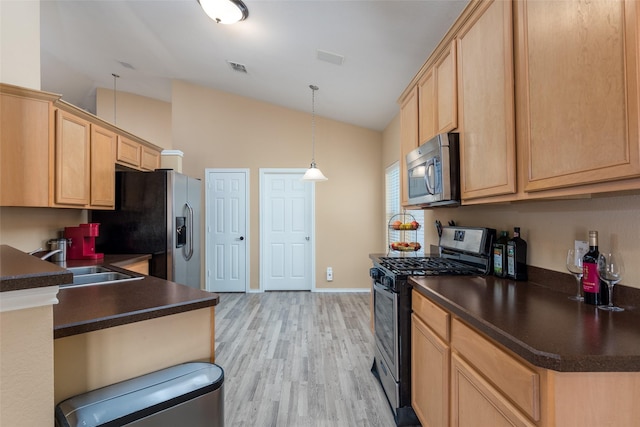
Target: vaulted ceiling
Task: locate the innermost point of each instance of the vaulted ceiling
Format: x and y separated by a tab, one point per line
361	53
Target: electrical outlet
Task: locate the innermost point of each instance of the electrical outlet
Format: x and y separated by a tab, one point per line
329	274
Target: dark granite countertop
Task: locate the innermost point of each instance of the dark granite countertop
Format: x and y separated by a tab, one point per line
19	271
91	308
538	322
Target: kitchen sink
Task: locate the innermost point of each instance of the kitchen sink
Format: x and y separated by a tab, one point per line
98	275
81	271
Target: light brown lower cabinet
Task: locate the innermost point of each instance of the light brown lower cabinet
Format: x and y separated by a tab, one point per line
141	267
475	402
462	378
430	375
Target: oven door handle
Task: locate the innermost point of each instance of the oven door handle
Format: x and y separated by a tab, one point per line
383	289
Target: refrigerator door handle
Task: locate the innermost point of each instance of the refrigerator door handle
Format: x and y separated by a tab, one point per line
189	254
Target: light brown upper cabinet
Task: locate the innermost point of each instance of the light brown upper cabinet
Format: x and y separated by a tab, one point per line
427	105
408	137
85	161
437	92
53	154
136	155
73	160
577	91
26	147
447	90
128	152
149	158
103	176
486	120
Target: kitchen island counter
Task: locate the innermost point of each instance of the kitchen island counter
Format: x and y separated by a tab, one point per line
541	324
91	308
109	333
21	271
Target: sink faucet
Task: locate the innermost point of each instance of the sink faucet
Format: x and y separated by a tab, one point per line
50	254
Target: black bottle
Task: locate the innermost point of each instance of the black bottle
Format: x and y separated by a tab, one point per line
500	255
517	257
595	291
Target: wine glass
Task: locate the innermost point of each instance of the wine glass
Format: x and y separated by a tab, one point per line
574	265
610	270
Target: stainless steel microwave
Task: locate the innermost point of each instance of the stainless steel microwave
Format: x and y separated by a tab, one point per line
434	172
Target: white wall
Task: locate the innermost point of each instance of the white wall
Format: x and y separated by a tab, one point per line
216	129
147	118
20	43
26	336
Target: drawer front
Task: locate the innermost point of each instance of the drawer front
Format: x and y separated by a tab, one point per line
432	315
515	380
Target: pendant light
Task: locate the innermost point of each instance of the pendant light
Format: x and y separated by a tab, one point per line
225	11
313	173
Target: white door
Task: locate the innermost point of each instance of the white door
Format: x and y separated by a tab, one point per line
227	230
286	225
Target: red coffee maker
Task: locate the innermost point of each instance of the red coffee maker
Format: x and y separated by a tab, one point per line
83	241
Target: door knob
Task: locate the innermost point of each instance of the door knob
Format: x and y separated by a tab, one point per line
241	237
307	238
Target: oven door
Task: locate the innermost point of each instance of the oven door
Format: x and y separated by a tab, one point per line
386	326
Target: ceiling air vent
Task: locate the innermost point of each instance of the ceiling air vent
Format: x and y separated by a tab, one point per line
237	67
333	58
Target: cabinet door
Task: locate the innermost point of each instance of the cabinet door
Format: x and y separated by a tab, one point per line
141	267
429	375
486	102
474	402
25	148
128	152
578	91
103	167
149	159
427	106
446	91
408	137
73	163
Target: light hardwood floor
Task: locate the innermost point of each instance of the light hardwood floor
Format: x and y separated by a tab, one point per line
298	359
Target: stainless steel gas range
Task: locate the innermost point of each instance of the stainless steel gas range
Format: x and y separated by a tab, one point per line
463	251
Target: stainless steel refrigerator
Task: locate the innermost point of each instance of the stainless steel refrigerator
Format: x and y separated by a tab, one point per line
156	213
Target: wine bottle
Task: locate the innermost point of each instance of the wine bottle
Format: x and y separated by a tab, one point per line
500	255
517	256
593	288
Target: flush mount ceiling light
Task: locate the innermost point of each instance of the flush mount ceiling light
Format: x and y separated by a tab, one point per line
313	173
225	11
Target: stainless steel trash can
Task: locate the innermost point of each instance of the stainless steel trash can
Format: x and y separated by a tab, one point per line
190	394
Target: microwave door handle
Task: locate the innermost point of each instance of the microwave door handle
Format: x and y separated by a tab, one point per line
430	172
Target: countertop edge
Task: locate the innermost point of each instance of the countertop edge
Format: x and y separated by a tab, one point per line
92	325
545	360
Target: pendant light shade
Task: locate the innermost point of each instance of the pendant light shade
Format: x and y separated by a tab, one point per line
225	11
313	173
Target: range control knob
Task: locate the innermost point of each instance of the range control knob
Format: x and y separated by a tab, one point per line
374	273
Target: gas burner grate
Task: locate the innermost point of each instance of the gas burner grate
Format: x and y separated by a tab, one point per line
426	266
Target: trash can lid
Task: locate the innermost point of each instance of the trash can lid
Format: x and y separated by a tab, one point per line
159	390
